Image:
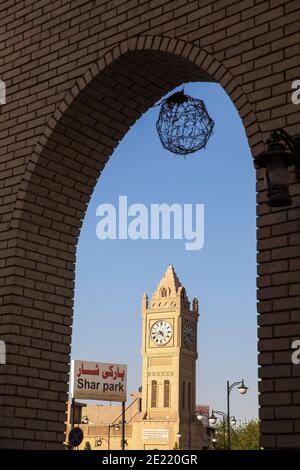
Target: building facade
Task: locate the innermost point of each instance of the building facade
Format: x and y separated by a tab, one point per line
162	415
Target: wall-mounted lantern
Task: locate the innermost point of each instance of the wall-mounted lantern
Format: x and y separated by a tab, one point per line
282	151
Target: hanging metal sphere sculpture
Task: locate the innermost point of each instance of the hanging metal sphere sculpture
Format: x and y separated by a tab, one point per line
184	125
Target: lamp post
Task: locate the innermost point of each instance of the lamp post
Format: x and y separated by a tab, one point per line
213	419
123	442
243	390
205	420
110	426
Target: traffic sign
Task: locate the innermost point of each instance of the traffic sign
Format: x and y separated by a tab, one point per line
75	437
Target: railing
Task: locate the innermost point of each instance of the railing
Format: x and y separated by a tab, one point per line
126	409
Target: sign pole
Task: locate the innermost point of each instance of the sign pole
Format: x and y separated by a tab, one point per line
108	437
73	412
123	425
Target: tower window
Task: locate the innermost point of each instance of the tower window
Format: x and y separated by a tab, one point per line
183	395
153	394
164	292
166	393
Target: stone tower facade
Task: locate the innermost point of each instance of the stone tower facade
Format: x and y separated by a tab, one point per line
169	351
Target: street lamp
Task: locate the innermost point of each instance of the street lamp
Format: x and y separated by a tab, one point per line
110	426
200	417
213	419
178	435
98	442
243	390
282	151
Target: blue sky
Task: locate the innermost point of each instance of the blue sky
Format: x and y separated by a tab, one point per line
112	275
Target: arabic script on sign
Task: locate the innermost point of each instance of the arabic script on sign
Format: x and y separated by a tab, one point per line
98	381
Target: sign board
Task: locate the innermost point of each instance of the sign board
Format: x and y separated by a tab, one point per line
203	410
75	437
155	434
98	381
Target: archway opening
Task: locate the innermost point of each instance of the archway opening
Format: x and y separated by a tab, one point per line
113	274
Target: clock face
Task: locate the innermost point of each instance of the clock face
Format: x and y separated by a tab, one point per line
161	333
188	334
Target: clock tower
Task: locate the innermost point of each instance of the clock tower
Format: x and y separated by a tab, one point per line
169	351
162	413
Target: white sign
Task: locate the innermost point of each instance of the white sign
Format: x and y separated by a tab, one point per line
98	381
155	434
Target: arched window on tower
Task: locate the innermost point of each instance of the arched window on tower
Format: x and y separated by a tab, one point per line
163	292
153	394
166	393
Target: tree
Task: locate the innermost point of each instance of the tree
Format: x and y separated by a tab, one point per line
245	436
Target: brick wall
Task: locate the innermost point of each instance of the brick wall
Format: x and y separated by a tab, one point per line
79	74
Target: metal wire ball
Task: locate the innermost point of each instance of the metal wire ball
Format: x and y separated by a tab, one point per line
184	125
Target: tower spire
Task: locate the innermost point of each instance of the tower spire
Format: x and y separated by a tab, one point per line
170	282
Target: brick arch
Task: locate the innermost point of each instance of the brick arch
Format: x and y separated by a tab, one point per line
51	202
209	69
